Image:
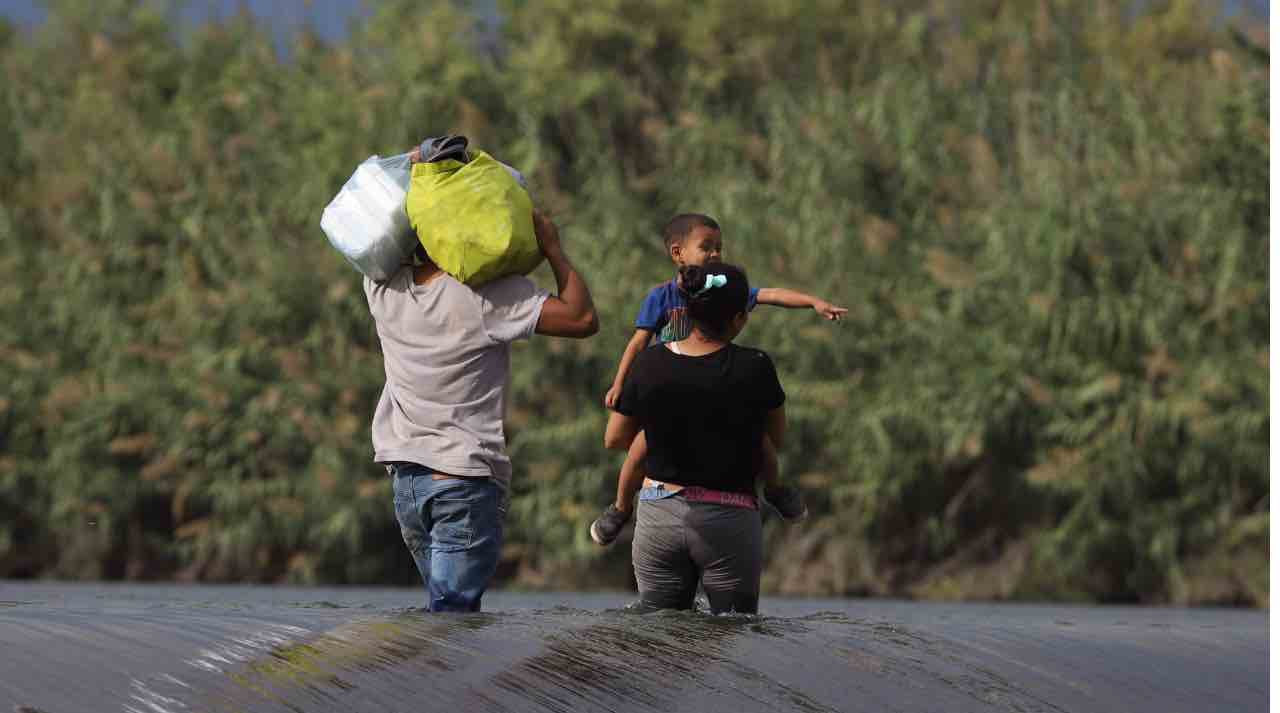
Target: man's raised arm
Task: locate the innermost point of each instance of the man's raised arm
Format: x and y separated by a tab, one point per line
571	312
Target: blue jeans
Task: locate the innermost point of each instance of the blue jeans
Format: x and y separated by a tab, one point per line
453	529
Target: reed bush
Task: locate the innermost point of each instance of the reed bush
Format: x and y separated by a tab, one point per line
1049	220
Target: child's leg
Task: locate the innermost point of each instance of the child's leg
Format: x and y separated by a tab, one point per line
606	528
631	477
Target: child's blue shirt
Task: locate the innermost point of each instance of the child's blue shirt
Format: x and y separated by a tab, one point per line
663	312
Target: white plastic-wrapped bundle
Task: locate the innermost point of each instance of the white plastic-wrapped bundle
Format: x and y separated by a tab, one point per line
366	221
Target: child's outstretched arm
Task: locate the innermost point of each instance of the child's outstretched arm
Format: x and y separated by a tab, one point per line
638	342
782	297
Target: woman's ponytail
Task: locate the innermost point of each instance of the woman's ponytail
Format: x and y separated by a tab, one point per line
714	295
692	279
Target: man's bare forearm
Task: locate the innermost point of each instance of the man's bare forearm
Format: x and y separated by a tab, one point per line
571	288
571	312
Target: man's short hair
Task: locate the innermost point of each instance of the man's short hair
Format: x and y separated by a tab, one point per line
679	227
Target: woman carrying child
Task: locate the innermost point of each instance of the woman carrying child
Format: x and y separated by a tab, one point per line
706	406
693	239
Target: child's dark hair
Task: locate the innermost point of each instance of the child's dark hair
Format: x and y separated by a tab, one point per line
679	227
712	304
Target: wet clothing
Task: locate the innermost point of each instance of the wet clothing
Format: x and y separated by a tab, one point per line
446	353
678	543
453	528
704	420
663	312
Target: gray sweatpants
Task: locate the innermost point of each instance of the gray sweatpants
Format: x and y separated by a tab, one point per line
677	543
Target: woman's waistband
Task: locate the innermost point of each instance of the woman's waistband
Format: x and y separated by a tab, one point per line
698	494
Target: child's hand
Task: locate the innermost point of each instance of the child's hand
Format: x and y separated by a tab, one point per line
611	398
829	311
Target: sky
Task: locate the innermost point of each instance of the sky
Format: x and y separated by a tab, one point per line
331	18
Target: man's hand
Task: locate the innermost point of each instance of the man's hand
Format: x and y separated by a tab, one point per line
828	310
415	155
571	312
547	234
611	398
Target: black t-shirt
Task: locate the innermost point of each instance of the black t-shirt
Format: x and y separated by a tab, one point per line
703	416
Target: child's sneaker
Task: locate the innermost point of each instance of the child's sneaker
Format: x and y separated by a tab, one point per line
788	502
607	527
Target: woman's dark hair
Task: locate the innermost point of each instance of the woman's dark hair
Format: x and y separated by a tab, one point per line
713	308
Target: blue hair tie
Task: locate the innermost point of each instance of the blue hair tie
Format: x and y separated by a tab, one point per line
713	281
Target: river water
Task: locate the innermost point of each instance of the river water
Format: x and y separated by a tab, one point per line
158	649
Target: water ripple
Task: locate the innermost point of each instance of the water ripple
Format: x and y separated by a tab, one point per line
331	656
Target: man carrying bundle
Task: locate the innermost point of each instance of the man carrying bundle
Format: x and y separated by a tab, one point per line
438	424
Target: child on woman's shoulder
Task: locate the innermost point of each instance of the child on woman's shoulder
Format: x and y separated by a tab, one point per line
693	239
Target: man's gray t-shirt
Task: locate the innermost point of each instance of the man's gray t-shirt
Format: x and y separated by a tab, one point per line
446	352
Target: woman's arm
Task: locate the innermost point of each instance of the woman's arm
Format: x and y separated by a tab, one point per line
620	431
775	425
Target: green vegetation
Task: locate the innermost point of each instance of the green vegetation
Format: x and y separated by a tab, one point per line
1049	219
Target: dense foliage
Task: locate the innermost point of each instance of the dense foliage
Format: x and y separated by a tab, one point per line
1049	219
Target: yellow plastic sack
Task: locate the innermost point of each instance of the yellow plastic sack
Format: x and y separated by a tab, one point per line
474	219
